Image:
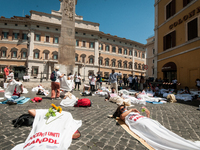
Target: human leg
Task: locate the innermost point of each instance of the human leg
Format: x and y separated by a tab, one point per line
32	112
58	89
52	89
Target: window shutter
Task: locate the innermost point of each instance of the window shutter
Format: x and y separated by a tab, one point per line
173	35
34	55
39	37
173	7
53	39
23	36
35	38
164	43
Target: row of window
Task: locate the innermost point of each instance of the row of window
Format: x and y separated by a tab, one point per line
169	40
16	36
171	7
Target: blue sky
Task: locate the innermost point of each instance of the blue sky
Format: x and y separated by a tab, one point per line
131	19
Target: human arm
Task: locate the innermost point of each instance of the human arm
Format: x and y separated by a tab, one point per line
61	76
32	112
123	115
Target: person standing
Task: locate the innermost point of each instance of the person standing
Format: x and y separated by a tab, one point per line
198	83
141	82
113	79
98	82
130	80
55	83
77	81
124	80
92	79
136	82
6	73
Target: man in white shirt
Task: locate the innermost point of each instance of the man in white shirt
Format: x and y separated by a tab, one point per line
130	80
113	79
55	85
92	82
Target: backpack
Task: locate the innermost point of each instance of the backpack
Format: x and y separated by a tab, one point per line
53	76
85	102
23	120
36	99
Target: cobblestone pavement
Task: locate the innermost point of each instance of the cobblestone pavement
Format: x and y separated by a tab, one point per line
97	130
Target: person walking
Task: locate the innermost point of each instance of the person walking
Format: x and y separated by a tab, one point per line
141	83
136	82
55	83
124	80
6	73
77	81
113	79
98	82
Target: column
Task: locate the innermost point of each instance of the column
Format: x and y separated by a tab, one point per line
96	53
156	40
31	45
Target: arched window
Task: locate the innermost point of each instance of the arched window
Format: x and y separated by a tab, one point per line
143	55
130	52
113	49
135	53
125	65
139	66
119	64
143	66
125	51
113	63
36	54
14	53
76	57
46	54
83	58
23	53
3	51
55	55
107	48
135	65
120	51
130	66
138	54
107	63
91	60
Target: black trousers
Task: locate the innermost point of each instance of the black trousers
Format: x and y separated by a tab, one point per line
77	83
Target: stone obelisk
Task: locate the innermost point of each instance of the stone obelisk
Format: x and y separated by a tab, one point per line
66	53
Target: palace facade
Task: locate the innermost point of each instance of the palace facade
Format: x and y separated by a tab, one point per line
30	45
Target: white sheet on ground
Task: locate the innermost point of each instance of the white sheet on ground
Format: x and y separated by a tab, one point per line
52	134
134	100
157	135
185	97
25	91
35	89
66	85
11	87
119	101
69	101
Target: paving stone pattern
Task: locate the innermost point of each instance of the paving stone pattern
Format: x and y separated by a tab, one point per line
98	132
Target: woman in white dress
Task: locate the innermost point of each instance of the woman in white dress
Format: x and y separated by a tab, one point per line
152	131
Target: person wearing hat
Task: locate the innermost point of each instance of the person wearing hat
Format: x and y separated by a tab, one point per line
55	85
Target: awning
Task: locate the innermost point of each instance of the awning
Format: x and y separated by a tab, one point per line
170	66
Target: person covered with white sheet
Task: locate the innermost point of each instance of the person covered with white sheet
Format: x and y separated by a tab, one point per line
156	135
113	97
51	130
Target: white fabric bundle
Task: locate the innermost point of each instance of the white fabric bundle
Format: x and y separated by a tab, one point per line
52	134
157	135
69	101
119	101
35	89
185	97
11	87
66	85
134	100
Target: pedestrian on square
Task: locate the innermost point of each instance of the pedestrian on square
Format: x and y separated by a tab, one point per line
92	82
55	83
98	82
6	73
77	81
130	81
141	82
113	79
124	80
136	82
198	83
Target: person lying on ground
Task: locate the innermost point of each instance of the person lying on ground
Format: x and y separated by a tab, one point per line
18	93
186	91
52	129
113	97
152	131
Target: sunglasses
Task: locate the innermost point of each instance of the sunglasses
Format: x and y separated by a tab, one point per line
122	109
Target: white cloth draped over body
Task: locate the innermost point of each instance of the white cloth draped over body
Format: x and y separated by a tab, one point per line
66	85
52	134
11	87
35	89
69	101
120	101
134	100
157	135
